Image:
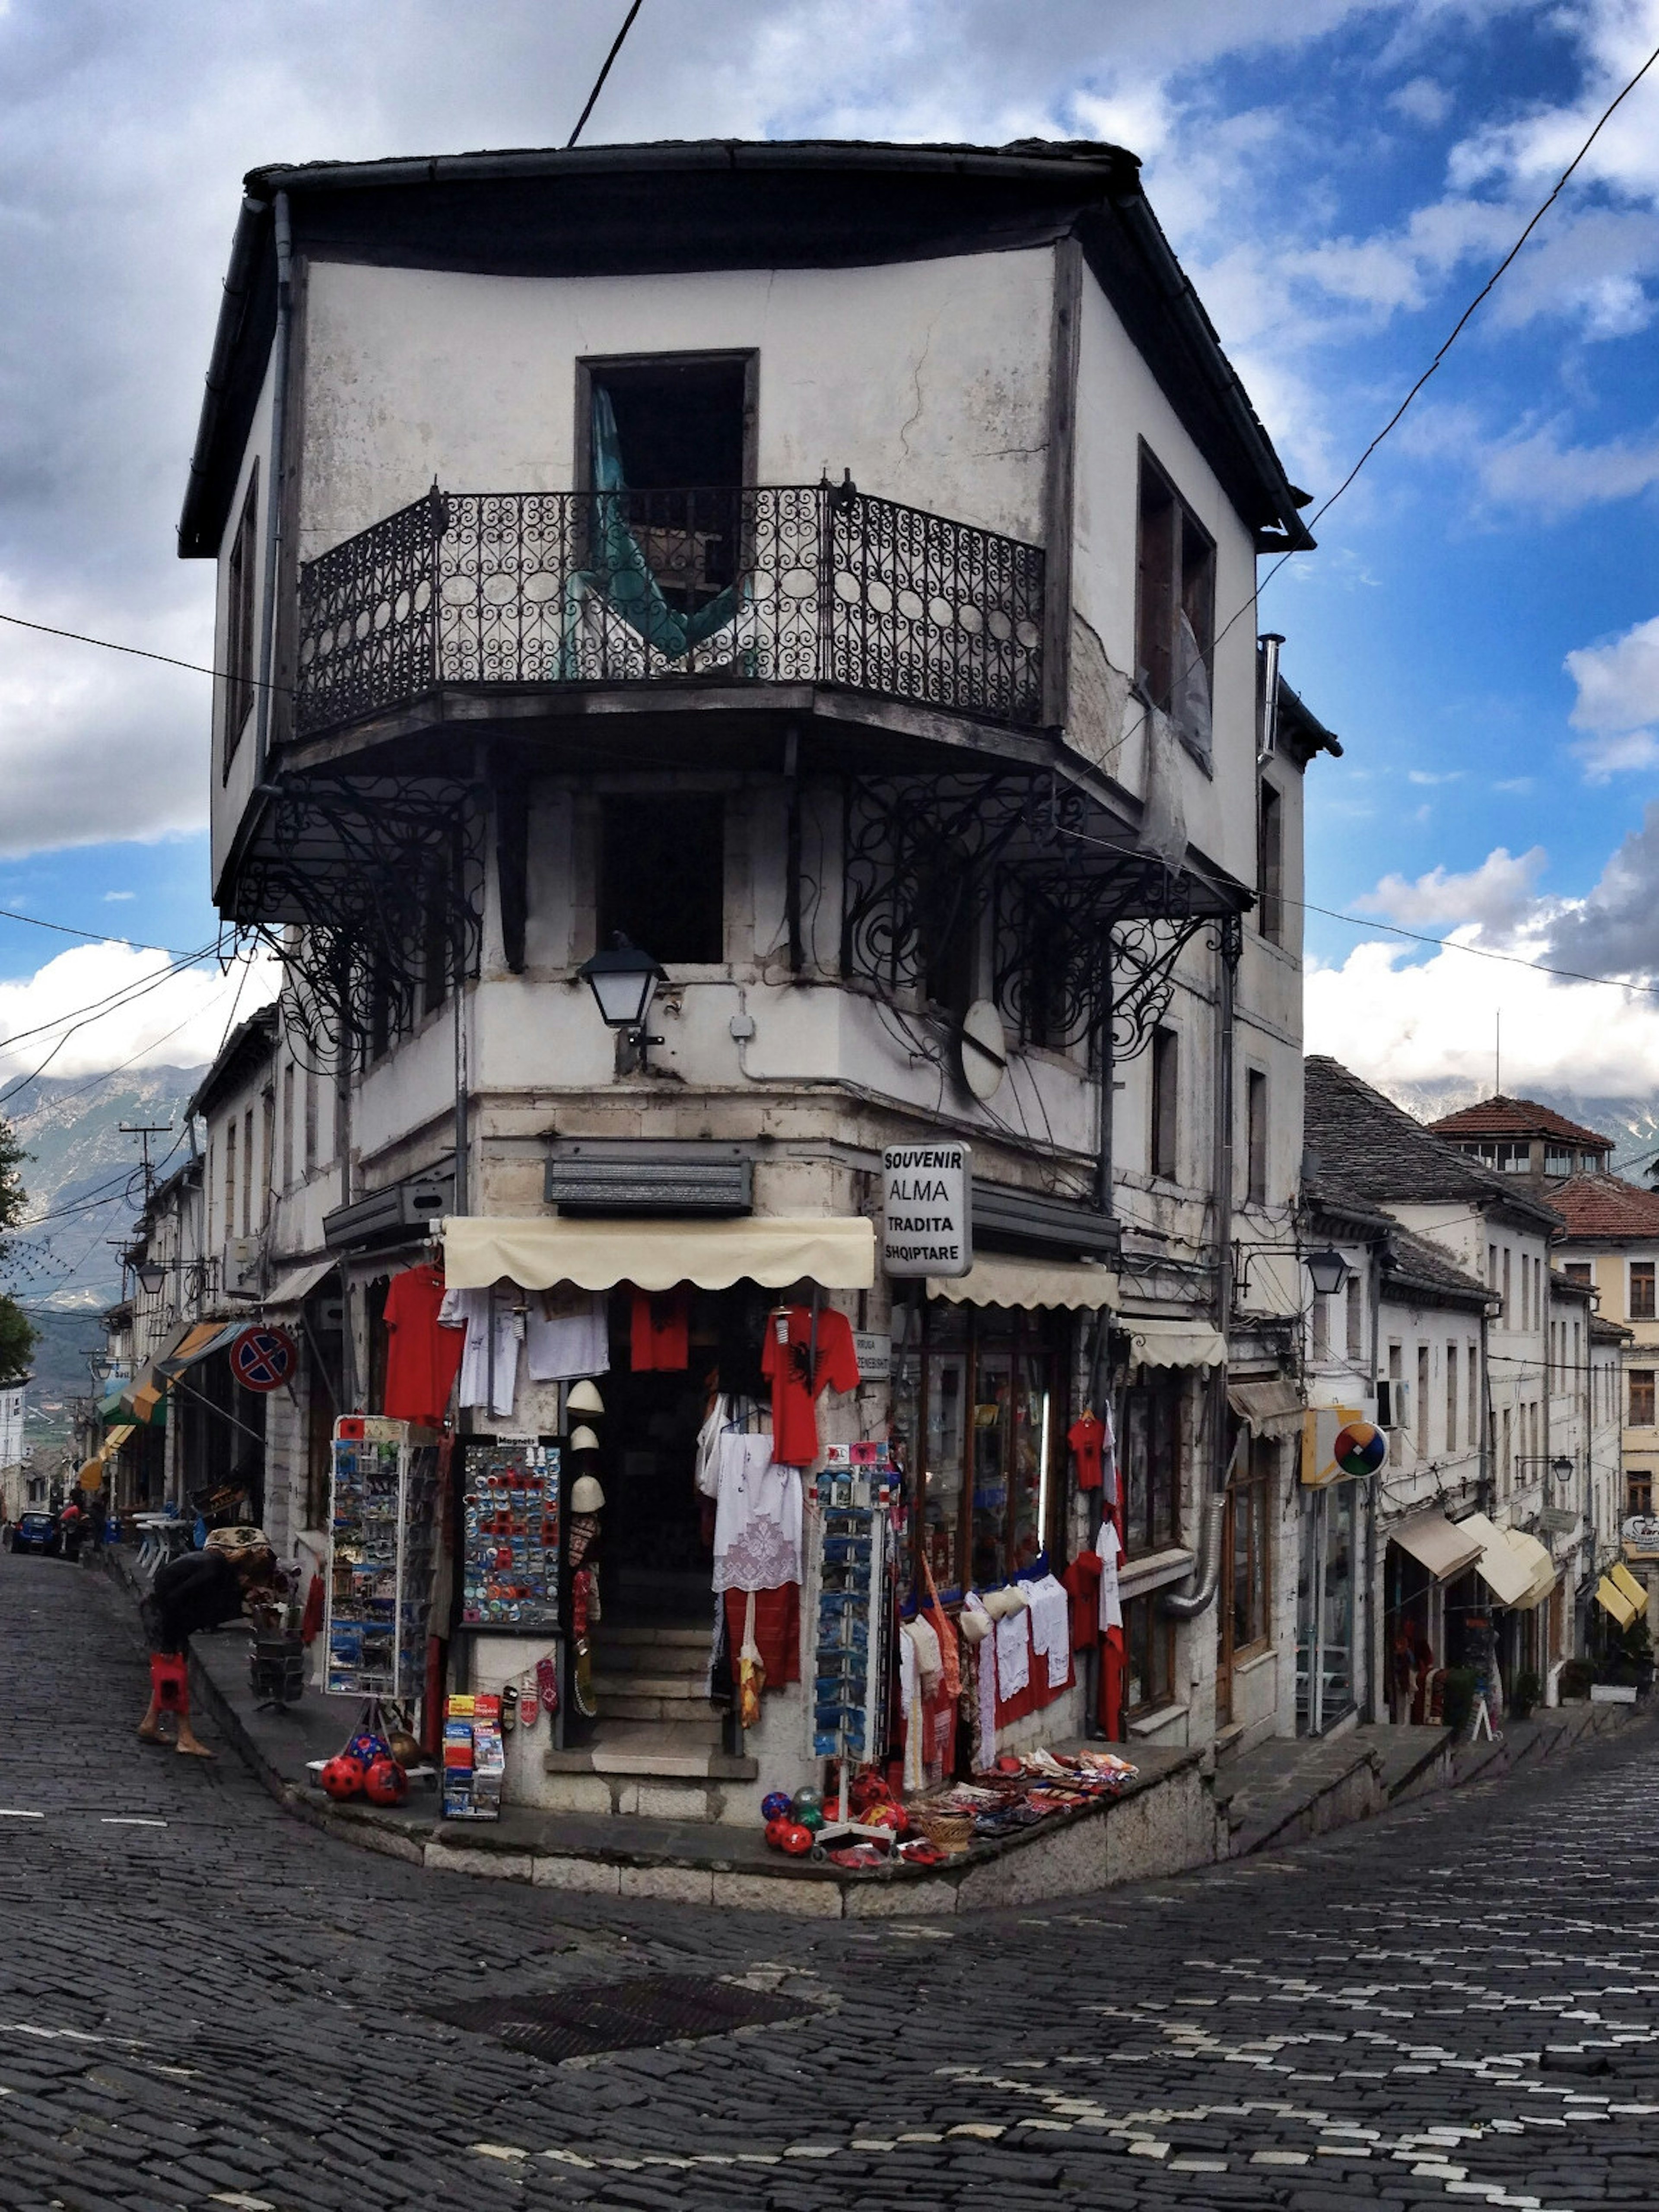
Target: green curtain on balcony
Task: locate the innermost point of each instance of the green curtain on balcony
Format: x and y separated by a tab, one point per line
622	576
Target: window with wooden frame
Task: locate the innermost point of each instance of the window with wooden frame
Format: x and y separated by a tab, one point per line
1150	1435
1639	1491
1149	1672
1641	1398
1270	865
1641	1289
242	576
1577	1271
979	1423
1246	1547
1164	1117
1174	609
1255	1136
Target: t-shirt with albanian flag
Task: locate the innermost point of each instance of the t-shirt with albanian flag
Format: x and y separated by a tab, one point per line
786	1361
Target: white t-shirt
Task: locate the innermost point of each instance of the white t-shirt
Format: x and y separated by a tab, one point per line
1110	1551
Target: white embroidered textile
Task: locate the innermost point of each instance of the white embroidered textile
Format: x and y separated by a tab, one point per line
1051	1628
567	1335
757	1515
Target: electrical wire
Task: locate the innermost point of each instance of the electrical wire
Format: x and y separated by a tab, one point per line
116	1003
92	936
604	71
1457	329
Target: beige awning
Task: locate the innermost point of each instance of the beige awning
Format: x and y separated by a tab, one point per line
1159	1343
115	1438
297	1285
1632	1585
1514	1567
1444	1548
1268	1409
1612	1599
544	1250
1004	1278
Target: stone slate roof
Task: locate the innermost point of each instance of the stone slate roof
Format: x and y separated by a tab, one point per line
1365	1142
1410	1263
1516	1117
1606	1205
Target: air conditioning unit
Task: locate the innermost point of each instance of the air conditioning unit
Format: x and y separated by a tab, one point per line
1394	1402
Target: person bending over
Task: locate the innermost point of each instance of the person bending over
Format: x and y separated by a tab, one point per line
202	1591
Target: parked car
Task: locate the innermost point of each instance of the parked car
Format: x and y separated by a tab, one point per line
35	1532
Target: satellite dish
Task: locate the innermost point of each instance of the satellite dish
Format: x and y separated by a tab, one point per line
984	1045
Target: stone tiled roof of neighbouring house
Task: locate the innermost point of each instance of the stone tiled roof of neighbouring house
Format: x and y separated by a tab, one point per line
1517	1118
1366	1143
1412	1264
1606	1205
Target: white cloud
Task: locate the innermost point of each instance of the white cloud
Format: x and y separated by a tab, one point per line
1498	896
1434	1020
1428	775
1537	470
1422	100
110	895
1603	759
111	1005
1618	681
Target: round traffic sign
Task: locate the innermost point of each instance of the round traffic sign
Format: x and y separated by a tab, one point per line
263	1358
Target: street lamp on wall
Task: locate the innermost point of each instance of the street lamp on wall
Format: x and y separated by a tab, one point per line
1327	1271
624	981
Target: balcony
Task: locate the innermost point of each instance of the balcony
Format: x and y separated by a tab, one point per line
769	585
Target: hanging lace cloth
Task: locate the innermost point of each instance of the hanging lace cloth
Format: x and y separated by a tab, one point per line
758	1505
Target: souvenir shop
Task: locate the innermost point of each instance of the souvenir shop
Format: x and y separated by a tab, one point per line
1463	1593
890	1551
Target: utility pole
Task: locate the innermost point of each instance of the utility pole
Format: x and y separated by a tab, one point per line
144	1130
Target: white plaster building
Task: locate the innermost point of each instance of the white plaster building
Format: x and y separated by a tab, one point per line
831	568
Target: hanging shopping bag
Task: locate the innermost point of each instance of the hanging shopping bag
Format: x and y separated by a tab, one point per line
751	1671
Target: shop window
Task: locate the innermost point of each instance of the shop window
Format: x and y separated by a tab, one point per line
1149	1637
662	875
1245	1550
1165	1080
977	1422
1641	1397
1151	1468
1641	1289
1255	1136
1638	1492
1270	865
242	571
1174	618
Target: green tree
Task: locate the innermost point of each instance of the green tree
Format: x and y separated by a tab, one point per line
17	1335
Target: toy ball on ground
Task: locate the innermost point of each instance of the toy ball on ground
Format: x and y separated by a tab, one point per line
386	1783
868	1789
806	1800
403	1747
367	1747
774	1828
774	1805
809	1816
343	1775
883	1814
796	1839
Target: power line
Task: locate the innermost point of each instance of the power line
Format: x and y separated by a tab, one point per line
93	936
140	652
1457	328
599	82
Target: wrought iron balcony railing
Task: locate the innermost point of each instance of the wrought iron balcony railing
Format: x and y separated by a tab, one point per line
770	584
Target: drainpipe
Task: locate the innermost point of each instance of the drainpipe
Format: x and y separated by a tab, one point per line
274	465
1188	1604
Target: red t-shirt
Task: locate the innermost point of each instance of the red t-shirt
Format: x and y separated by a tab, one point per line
1085	1436
422	1358
796	1385
661	1332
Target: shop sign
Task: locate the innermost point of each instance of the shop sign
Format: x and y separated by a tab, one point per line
875	1355
1642	1529
927	1225
263	1358
1556	1521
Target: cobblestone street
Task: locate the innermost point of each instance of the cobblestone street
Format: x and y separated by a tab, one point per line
206	2002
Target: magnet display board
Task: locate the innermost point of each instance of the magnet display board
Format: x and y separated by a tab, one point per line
383	1524
511	1529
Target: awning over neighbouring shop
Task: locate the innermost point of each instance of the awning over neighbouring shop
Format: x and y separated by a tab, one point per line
1444	1548
1160	1343
199	1341
1632	1585
1612	1600
1514	1567
1004	1279
838	1254
293	1288
115	1439
91	1476
110	1407
1272	1408
144	1400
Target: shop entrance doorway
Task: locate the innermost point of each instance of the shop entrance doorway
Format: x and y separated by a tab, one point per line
658	1551
1325	1649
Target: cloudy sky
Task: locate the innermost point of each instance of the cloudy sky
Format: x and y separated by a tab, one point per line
1480	623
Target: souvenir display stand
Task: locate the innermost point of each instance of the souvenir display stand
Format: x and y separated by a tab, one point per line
848	1501
510	1536
383	1521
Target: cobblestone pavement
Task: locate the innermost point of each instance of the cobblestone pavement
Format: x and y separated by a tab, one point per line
204	2002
